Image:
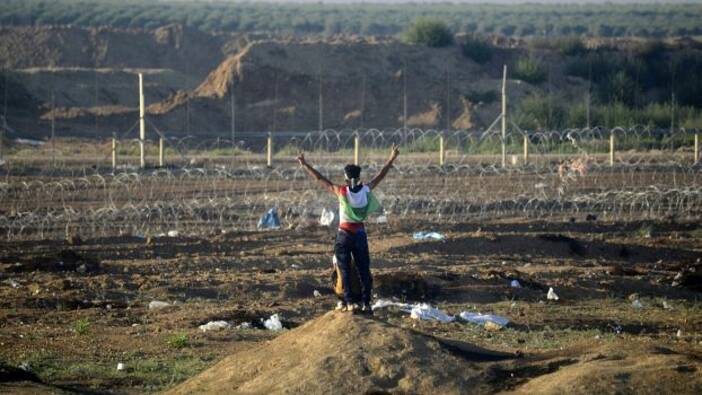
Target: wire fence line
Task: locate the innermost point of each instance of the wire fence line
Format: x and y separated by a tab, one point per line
213	185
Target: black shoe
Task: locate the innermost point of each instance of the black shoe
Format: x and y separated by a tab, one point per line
366	309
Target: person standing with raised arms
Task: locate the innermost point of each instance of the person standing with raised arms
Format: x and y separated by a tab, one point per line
356	202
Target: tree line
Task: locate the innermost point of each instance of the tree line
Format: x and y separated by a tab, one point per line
605	20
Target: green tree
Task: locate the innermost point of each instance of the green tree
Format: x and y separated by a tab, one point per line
429	32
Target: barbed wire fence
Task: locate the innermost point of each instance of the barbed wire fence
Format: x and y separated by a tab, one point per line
442	176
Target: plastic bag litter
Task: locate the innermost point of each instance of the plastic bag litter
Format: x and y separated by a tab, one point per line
173	233
382	303
383	219
273	323
327	217
317	294
12	283
215	326
551	295
157	304
423	311
120	366
269	220
637	304
482	319
428	236
515	284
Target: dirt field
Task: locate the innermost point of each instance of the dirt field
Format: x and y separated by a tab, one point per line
72	310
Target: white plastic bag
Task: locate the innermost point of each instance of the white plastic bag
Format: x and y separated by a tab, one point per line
273	323
327	217
482	319
215	326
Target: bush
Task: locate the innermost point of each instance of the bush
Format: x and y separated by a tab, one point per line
429	32
178	340
530	70
570	46
82	326
477	49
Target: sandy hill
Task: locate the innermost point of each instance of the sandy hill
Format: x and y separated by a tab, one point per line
341	353
170	47
276	85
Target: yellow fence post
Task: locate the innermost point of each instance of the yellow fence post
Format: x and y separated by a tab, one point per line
611	149
160	152
697	149
114	153
356	144
269	161
526	149
442	152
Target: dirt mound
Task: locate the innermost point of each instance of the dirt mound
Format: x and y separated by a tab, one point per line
342	353
170	47
642	370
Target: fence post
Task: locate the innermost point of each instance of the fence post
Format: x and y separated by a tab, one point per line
442	152
142	127
356	147
503	115
160	152
526	149
269	160
611	149
697	149
114	153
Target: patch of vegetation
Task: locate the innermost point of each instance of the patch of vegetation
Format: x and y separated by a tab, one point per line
477	49
82	326
645	231
430	33
530	70
178	340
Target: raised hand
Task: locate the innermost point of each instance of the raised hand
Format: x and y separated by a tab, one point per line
394	152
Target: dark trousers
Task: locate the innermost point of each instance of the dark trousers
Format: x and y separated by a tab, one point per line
354	246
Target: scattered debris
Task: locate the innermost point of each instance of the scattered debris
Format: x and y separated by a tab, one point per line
515	284
120	367
273	323
424	311
551	295
269	220
637	304
316	294
327	217
483	319
12	283
428	236
26	367
244	325
679	334
157	304
215	326
382	219
173	233
382	303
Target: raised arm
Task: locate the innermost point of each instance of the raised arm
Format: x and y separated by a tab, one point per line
394	151
326	184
